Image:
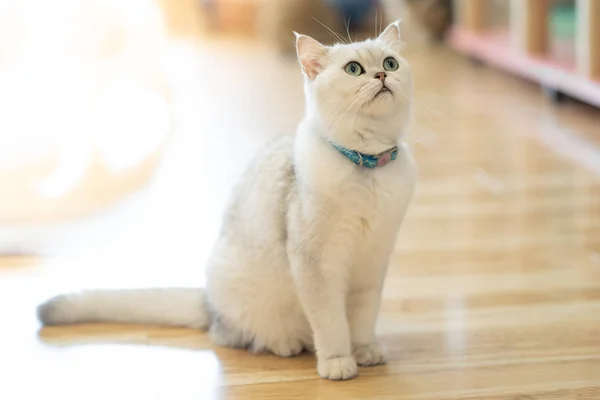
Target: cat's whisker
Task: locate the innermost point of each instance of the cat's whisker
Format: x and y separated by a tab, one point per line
352	110
376	19
429	109
347	106
348	28
335	34
420	105
353	104
347	103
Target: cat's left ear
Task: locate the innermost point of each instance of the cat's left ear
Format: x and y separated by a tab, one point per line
311	54
392	37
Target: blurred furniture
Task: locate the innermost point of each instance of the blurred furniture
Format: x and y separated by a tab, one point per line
232	16
527	44
355	12
249	16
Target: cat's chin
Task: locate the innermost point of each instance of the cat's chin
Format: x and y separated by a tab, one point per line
383	91
382	106
382	100
383	94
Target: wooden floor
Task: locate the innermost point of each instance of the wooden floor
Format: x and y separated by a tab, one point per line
494	287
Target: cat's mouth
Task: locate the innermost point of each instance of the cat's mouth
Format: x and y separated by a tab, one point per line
383	91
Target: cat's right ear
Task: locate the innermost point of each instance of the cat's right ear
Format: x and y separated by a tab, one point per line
311	54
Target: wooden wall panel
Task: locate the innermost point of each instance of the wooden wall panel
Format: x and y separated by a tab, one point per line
529	26
588	41
471	14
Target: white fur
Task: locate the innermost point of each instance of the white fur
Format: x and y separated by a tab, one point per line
175	307
306	240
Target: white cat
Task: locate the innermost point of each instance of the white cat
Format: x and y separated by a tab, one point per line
305	243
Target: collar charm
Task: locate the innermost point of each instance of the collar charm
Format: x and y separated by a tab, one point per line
368	160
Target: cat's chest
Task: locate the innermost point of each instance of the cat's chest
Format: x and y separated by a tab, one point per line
369	209
373	210
372	192
365	203
370	197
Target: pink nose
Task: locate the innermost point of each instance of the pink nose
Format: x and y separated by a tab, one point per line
381	76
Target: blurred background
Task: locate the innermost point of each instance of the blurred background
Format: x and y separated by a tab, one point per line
112	112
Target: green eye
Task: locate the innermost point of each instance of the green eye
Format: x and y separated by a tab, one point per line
390	64
353	68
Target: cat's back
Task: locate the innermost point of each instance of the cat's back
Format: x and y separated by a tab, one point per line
258	201
273	164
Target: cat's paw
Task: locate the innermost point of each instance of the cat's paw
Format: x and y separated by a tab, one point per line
338	368
369	354
282	347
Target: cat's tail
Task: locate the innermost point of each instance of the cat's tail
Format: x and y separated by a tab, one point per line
180	307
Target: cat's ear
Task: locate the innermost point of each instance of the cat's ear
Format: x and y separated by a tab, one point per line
311	54
392	37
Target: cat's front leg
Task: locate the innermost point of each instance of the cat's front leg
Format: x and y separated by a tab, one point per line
322	292
363	307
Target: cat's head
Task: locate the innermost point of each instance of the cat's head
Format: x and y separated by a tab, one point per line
350	85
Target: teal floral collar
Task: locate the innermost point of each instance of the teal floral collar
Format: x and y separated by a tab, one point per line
368	160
